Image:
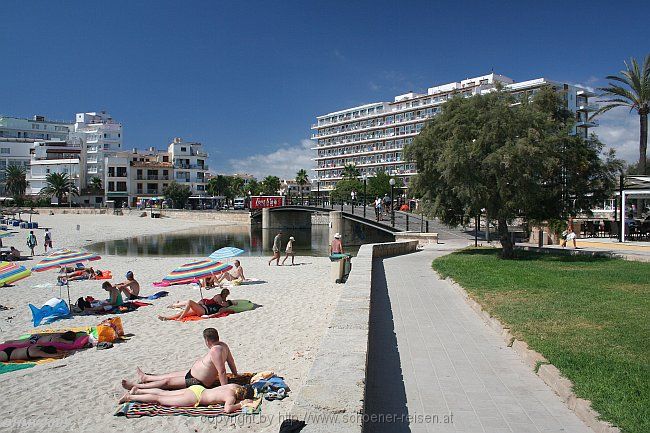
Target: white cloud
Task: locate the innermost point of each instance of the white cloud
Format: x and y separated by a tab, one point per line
619	129
283	162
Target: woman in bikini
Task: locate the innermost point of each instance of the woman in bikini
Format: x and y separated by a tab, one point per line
28	353
205	307
231	396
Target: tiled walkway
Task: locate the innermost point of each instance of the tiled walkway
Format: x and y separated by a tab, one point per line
430	354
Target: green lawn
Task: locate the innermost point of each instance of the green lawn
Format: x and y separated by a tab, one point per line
589	317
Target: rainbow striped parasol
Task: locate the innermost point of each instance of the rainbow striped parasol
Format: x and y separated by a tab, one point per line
60	258
12	272
196	270
5	233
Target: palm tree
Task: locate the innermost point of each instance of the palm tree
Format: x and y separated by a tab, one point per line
16	180
96	183
302	179
631	90
58	185
350	171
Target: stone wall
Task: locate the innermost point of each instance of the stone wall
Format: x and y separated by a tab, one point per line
332	398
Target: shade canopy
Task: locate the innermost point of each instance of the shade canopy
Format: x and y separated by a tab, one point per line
196	270
64	257
225	253
5	233
12	272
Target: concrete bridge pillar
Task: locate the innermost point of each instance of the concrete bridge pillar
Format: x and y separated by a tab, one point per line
285	219
336	224
266	218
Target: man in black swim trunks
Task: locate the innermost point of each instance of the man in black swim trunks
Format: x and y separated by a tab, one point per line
208	371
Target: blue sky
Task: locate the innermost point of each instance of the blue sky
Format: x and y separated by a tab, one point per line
247	79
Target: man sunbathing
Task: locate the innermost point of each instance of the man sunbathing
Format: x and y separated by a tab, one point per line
237	274
205	307
208	371
130	287
231	396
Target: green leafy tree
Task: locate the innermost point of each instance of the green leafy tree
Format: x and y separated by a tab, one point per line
59	185
485	153
379	184
178	194
237	185
631	89
95	184
218	186
16	181
350	171
302	179
270	185
253	186
342	190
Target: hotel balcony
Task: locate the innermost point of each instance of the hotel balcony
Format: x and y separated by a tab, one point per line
586	124
587	108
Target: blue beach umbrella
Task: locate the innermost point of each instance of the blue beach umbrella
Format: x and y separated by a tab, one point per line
226	253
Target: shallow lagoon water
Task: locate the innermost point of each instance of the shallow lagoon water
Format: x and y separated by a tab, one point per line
203	241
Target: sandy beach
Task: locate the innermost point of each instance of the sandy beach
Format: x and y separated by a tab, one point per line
80	392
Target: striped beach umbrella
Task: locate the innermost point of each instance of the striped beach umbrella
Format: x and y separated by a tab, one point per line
225	253
12	272
60	258
190	272
5	233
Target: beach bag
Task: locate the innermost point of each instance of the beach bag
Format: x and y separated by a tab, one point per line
109	330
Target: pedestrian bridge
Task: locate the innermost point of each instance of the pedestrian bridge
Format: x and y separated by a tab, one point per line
355	225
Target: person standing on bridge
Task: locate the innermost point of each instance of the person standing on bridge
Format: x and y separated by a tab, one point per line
277	244
378	208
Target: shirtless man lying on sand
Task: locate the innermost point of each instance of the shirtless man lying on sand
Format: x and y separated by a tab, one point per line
231	396
208	371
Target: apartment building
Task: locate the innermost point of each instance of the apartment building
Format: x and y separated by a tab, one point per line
54	156
190	165
101	136
372	136
17	136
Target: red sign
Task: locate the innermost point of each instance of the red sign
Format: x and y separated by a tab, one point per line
259	202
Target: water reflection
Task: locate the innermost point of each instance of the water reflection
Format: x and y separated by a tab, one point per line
203	241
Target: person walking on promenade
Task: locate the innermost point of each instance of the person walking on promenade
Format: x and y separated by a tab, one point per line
31	241
277	244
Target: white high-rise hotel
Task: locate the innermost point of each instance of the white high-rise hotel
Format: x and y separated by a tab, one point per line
372	136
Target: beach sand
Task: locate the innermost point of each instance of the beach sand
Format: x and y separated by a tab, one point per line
80	392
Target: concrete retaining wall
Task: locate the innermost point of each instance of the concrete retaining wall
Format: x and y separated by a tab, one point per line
335	386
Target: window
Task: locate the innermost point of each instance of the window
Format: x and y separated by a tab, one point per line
183	149
121	186
5	151
111	186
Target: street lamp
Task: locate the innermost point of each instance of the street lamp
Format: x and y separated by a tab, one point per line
392	202
365	178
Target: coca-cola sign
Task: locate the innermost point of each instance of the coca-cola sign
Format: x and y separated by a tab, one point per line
259	202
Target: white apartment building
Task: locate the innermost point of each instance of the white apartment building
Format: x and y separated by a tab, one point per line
17	136
190	165
373	136
54	157
101	136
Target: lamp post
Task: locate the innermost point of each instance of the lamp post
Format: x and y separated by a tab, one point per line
392	202
365	179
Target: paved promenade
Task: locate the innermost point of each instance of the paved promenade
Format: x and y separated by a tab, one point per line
430	354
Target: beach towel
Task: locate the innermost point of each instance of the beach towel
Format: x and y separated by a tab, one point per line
6	367
137	410
161	284
242	305
155	296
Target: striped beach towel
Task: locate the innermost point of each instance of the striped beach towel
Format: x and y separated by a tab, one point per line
137	410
